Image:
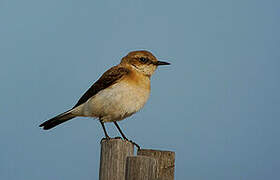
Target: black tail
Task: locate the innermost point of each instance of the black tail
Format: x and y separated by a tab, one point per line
61	118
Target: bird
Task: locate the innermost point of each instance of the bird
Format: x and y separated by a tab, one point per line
119	93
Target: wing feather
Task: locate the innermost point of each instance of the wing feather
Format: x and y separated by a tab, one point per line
109	78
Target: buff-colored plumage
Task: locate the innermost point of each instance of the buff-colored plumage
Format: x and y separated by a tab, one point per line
120	100
119	92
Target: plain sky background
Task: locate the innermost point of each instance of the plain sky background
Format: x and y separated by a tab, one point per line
217	106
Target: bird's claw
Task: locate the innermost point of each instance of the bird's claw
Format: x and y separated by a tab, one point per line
118	137
105	138
135	144
108	138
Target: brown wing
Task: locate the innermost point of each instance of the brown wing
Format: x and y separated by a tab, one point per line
109	78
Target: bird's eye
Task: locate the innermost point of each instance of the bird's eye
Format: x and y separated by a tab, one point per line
144	60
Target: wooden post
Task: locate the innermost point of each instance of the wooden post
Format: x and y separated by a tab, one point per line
166	162
113	158
140	168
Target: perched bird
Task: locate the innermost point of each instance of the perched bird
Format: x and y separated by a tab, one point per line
120	92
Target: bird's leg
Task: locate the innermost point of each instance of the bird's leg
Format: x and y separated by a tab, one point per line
120	130
104	129
124	137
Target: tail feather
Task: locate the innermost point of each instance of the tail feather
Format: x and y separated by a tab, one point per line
61	118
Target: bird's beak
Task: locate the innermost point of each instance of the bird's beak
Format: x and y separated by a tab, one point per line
160	63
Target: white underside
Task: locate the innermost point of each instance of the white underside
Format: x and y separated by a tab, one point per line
115	103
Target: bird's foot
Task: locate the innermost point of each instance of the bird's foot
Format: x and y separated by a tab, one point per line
108	138
118	137
134	143
105	138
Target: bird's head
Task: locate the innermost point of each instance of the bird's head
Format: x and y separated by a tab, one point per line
142	61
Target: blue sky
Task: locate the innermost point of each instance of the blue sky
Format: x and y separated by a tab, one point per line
217	106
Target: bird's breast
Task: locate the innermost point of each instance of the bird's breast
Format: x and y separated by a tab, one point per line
118	101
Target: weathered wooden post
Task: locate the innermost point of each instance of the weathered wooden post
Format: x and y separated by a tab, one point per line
141	168
165	160
113	158
118	163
